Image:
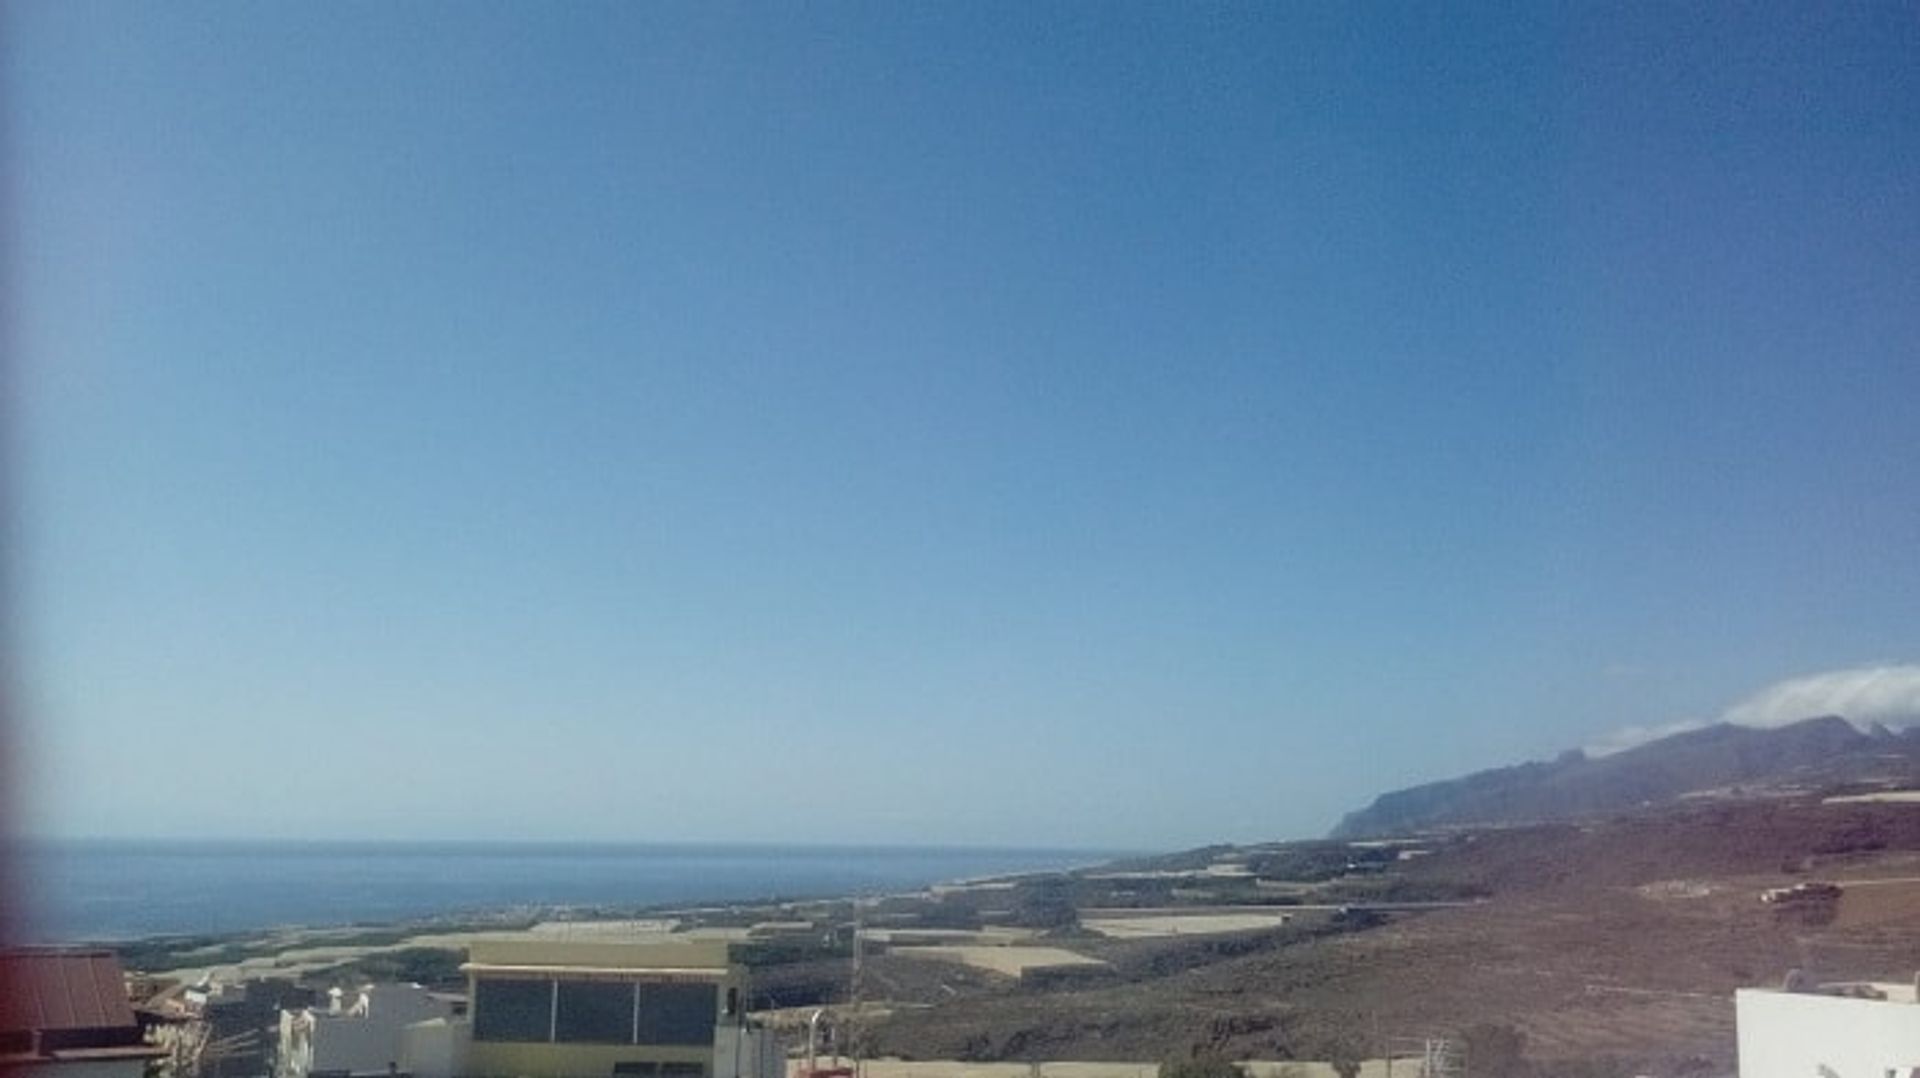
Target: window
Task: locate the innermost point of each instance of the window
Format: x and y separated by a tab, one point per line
594	1012
682	1070
677	1013
513	1011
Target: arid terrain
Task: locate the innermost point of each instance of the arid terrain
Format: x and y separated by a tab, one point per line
1613	946
1620	941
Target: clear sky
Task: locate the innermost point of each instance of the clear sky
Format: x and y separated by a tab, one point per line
1089	424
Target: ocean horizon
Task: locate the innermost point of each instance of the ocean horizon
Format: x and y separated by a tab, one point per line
114	889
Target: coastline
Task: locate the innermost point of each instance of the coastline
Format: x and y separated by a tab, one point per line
132	892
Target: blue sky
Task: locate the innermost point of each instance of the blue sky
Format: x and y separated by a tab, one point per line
977	423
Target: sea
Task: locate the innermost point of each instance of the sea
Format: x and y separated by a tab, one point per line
109	890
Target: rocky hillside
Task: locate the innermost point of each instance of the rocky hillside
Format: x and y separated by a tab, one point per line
1817	751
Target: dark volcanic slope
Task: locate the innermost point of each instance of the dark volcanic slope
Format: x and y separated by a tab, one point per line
1817	750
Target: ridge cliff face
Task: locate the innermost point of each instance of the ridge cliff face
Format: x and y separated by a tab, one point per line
1825	749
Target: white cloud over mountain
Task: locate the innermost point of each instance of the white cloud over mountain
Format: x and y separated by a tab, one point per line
1887	694
1864	694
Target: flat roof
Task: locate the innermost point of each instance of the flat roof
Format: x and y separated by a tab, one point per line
628	973
607	956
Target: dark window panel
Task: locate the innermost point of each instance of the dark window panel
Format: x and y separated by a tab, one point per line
594	1012
512	1010
678	1013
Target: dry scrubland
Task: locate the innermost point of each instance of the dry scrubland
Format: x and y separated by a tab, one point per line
1624	939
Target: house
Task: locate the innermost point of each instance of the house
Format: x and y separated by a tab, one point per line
65	1014
378	1030
588	1009
1853	1030
237	1024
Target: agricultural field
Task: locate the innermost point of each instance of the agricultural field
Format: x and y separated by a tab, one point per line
1010	960
1886	797
1182	924
1882	904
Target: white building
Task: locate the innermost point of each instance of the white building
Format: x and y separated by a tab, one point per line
1829	1031
382	1029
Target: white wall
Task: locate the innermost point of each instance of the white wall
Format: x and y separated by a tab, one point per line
1796	1035
747	1052
367	1043
436	1048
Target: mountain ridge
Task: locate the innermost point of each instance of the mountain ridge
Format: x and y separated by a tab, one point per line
1824	749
